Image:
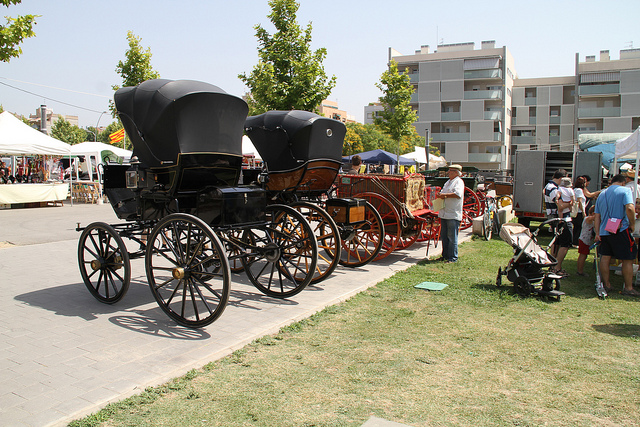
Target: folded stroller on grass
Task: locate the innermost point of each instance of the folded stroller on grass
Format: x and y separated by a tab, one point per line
526	270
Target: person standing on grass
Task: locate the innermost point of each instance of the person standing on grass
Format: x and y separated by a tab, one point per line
616	202
550	193
451	214
586	239
564	201
581	203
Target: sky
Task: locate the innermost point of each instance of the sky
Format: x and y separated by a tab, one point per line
70	64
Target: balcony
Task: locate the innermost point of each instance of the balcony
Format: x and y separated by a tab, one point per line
530	100
493	115
523	139
598	112
454	136
483	74
414	98
482	94
449	116
497	136
595	90
555	120
554	139
532	120
484	157
415	77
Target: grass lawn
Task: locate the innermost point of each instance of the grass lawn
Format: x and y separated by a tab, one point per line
472	354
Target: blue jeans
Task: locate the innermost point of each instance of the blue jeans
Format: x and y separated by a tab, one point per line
449	236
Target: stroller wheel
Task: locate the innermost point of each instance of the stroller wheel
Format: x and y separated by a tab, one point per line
499	278
557	283
522	286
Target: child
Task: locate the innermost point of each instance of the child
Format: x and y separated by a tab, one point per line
587	237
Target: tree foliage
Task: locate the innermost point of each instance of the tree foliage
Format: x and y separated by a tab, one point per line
66	132
136	68
397	117
14	32
289	75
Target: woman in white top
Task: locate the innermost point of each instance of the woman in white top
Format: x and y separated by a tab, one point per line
581	202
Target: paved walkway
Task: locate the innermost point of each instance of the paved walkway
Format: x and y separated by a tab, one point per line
64	355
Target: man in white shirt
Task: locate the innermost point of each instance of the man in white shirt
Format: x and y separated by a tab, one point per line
451	214
630	182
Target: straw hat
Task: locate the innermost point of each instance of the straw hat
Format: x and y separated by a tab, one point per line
630	174
456	167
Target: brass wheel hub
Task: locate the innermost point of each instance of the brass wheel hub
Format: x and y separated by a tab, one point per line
178	273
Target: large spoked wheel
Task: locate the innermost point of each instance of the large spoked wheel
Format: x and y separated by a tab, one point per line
187	270
327	236
471	203
362	242
390	219
104	262
282	262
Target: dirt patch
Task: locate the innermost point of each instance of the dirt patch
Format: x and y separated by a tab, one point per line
6	244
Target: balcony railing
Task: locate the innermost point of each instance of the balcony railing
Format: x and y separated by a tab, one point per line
415	77
532	120
608	89
497	136
450	116
523	139
414	98
555	120
554	139
482	94
493	115
530	100
484	157
599	112
483	74
455	136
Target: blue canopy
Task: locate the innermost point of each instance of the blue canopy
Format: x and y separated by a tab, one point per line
376	157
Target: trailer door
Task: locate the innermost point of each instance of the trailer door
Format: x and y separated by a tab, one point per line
529	181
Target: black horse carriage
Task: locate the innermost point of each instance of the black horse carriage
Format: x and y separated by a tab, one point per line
185	212
302	153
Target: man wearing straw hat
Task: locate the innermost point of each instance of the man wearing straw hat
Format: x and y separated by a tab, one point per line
451	214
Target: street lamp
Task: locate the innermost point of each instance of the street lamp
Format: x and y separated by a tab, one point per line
97	123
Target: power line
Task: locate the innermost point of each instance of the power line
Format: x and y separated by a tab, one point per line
57	88
51	99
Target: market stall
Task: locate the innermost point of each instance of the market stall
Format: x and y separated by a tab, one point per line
21	142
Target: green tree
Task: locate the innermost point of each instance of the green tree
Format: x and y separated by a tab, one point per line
14	32
352	142
66	132
289	75
136	68
397	117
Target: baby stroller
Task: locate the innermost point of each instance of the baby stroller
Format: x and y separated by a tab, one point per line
526	270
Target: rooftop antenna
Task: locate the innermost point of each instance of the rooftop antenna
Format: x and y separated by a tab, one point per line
629	45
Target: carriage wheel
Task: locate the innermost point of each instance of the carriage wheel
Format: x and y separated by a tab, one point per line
505	201
187	270
283	260
522	286
467	221
362	242
390	219
408	239
104	262
471	203
234	253
327	236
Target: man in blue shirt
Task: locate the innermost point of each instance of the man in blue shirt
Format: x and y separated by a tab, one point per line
616	202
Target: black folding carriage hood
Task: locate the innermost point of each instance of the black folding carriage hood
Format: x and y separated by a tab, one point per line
287	139
164	118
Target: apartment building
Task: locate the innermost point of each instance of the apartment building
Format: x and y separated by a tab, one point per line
44	119
475	109
330	109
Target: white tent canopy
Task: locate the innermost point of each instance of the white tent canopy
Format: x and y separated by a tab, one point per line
628	145
248	148
420	155
92	148
19	139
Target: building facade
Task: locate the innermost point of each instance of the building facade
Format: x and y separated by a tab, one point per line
44	119
330	109
474	108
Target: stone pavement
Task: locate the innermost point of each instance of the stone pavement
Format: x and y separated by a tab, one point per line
64	355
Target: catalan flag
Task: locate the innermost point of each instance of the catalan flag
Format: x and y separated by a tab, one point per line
116	136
